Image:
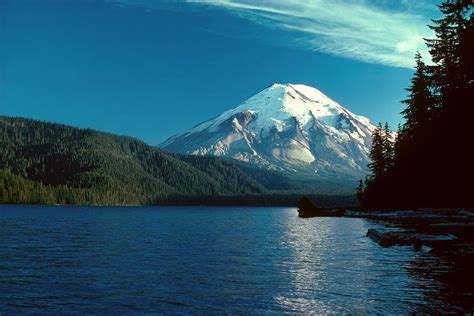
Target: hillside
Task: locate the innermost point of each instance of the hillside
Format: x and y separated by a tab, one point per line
51	163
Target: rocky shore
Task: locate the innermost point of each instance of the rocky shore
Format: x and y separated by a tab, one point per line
445	233
425	229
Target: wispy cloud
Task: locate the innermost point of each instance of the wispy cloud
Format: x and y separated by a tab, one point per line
387	32
383	32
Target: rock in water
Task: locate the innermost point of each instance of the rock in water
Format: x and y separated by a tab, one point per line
306	208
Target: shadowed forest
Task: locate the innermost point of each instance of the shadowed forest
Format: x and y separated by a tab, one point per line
46	163
430	163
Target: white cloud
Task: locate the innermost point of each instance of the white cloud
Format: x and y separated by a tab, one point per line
377	31
387	32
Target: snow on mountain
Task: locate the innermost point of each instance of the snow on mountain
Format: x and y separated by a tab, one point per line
289	127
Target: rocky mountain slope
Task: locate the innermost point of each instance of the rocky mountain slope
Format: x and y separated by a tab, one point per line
291	128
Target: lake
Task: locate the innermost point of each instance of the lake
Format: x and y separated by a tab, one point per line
208	260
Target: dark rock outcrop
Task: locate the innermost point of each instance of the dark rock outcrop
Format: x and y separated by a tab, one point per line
306	208
414	238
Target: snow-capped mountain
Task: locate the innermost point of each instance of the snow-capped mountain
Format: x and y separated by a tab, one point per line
289	127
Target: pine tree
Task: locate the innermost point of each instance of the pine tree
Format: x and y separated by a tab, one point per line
388	148
377	157
360	191
420	102
452	50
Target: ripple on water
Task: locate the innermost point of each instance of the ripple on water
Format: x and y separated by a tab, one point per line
206	260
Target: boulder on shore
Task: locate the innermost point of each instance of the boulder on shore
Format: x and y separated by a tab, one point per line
389	239
306	208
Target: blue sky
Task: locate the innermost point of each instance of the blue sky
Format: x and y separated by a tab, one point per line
153	68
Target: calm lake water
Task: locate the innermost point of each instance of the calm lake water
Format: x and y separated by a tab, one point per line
204	260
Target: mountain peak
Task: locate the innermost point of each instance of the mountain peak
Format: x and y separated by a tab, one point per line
294	128
288	85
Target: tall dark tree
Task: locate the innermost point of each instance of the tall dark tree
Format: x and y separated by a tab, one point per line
377	157
420	102
420	112
360	190
388	148
382	156
451	47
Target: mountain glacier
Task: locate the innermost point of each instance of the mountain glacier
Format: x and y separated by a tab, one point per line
292	128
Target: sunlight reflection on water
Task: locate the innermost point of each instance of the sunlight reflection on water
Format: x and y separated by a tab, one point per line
206	260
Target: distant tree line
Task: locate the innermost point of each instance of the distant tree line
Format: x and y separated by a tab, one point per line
430	163
279	198
45	163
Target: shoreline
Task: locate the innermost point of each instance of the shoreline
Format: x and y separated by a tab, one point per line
430	229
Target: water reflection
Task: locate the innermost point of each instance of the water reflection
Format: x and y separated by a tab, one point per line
336	269
212	261
448	281
304	267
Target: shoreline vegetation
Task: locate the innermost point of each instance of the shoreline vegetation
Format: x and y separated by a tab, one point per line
429	163
18	191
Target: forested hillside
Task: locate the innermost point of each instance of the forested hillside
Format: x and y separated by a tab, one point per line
431	163
57	164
